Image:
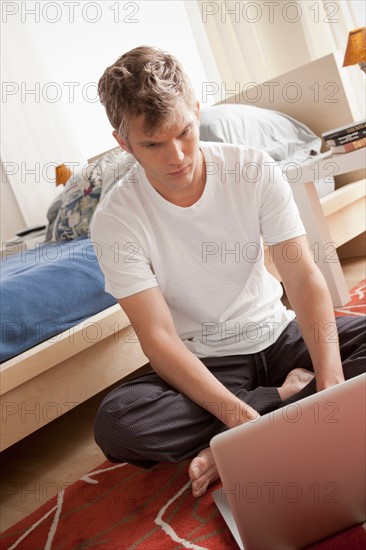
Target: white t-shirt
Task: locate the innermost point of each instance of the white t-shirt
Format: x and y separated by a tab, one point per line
207	259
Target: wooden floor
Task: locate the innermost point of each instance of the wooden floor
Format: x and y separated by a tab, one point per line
35	469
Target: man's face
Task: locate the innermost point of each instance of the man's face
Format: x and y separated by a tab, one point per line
170	156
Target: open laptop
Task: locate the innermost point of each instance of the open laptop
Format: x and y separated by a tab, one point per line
298	474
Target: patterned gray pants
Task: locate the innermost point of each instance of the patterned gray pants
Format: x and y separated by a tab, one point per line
146	421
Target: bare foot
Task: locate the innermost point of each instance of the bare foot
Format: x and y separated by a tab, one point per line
202	471
295	381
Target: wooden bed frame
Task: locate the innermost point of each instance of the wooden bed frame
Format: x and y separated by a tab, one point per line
48	380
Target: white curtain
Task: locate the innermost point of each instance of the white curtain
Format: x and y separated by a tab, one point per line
253	41
36	131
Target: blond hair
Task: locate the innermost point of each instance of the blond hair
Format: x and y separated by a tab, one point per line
144	81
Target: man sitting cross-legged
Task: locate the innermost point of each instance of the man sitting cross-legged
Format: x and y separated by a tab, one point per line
180	242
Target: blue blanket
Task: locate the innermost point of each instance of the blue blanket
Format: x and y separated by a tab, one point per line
48	290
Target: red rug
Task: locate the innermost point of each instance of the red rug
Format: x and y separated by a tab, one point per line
120	507
123	507
357	304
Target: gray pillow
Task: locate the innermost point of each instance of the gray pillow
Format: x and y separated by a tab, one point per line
280	135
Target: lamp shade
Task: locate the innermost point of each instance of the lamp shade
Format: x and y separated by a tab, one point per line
63	173
356	47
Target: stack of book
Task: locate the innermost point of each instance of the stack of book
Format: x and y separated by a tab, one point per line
346	138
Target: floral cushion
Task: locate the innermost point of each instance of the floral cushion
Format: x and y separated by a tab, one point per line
84	190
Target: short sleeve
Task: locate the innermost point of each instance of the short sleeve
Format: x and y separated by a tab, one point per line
122	257
278	213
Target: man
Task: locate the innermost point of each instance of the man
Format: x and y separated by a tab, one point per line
222	346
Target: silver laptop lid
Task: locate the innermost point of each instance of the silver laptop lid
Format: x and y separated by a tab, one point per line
297	475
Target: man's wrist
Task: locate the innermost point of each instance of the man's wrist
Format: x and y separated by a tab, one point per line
325	381
238	414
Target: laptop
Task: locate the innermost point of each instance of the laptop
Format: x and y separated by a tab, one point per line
298	474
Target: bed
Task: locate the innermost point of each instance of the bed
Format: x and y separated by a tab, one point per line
99	347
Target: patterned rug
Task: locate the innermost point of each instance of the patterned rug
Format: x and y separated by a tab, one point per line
357	304
121	507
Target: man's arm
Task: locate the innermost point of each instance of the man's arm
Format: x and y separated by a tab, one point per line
309	296
169	357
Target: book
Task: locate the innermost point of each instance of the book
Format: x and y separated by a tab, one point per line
341	140
351	146
344	130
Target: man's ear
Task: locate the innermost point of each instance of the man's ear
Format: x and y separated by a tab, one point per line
121	142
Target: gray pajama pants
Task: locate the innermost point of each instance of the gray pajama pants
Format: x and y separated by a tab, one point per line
145	421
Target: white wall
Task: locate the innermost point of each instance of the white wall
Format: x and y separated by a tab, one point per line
11	219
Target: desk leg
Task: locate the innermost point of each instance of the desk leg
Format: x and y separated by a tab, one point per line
320	241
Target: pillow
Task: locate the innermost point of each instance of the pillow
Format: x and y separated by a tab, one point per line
283	137
84	190
80	198
52	212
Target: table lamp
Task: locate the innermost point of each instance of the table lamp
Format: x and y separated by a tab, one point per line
63	173
356	49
